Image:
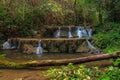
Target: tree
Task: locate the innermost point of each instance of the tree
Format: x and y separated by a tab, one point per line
86	11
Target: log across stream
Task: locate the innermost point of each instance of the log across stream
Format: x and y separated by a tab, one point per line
39	63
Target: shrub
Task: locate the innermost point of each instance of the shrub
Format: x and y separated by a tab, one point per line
69	72
81	72
108	37
2	56
116	61
1	35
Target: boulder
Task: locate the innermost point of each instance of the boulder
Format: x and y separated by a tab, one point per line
83	48
28	49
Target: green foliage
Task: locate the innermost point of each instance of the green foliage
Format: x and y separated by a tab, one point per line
2	56
108	37
111	73
27	32
51	6
71	72
116	61
6	64
49	12
20	17
1	35
111	49
3	12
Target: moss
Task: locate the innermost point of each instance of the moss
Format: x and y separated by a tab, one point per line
8	64
2	56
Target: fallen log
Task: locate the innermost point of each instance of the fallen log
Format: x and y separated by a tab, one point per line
76	60
39	63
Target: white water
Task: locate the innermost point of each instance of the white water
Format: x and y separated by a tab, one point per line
96	51
89	32
39	49
69	33
7	45
58	33
84	32
90	45
79	32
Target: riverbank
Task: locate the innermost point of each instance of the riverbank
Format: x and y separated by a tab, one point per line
39	73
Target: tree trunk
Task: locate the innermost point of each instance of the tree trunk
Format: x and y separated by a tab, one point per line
76	60
100	12
75	13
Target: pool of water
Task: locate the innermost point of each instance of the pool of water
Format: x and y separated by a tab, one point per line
15	56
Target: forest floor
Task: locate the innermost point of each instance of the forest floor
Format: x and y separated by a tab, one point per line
40	72
22	74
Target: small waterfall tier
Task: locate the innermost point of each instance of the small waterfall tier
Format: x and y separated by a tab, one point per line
69	33
62	45
39	48
81	32
7	45
62	39
89	30
58	33
72	32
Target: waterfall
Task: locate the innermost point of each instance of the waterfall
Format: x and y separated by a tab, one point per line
7	44
89	30
90	45
58	33
79	32
95	50
39	48
84	32
69	33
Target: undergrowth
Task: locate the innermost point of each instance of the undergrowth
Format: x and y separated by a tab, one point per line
2	56
81	72
108	37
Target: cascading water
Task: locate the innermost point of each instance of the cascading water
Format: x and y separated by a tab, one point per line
39	48
69	33
84	32
89	30
7	44
79	32
90	45
97	51
58	33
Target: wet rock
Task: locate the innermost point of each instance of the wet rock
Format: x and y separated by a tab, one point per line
18	79
83	48
28	49
95	51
